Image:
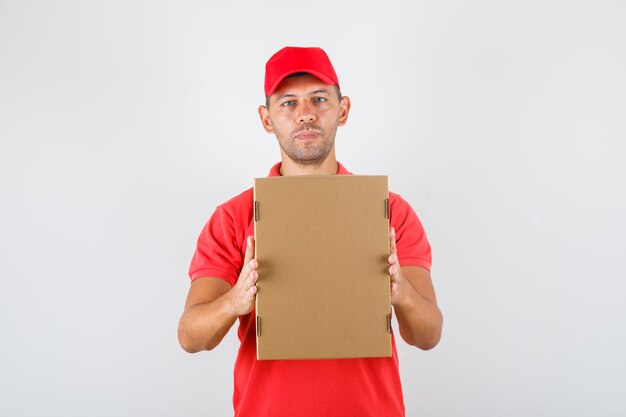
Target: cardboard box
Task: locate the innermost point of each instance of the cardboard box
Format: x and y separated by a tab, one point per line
322	243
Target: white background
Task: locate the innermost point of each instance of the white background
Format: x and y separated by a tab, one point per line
124	123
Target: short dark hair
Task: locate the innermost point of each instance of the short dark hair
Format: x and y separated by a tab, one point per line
300	74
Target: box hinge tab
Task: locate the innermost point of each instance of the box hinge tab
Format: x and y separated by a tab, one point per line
387	208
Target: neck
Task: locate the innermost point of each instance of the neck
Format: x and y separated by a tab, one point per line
290	167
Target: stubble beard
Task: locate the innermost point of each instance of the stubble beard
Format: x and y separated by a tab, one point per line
305	152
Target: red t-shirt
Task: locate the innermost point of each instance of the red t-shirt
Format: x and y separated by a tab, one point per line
304	388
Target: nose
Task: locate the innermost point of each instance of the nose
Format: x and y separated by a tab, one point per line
306	114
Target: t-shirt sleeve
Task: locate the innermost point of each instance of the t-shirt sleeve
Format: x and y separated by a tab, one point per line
217	252
411	241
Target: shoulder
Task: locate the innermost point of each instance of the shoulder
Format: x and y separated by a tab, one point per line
396	202
239	200
412	244
240	206
233	215
402	215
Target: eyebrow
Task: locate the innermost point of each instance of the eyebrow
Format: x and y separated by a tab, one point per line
323	91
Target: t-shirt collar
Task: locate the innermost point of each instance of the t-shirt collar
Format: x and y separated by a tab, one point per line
275	171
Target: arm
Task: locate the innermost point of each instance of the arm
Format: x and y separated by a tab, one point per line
213	306
414	302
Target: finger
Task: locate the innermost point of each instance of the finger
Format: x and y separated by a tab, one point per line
393	272
252	278
249	264
251	281
247	281
392	240
248	299
253	263
249	250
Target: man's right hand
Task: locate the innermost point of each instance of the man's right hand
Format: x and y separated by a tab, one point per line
242	296
213	306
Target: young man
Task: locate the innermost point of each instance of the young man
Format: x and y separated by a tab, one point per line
303	109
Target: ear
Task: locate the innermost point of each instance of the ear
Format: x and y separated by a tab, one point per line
264	114
344	110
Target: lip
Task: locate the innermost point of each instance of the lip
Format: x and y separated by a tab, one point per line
307	135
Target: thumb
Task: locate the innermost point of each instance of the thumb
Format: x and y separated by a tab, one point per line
392	241
249	250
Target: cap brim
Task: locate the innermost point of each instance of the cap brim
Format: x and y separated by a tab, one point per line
316	74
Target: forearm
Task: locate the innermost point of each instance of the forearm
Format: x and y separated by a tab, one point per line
203	326
419	319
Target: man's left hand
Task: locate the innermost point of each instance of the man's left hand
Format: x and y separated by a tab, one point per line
398	282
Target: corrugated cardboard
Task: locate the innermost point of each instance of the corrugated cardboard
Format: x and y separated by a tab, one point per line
322	245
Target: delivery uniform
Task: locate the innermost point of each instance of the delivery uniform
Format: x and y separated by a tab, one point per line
360	387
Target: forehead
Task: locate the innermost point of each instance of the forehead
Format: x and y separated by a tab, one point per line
301	84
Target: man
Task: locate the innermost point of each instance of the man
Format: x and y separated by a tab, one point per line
303	109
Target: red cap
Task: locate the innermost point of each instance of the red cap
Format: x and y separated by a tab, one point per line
291	60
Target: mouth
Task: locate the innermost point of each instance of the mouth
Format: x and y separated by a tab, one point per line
307	135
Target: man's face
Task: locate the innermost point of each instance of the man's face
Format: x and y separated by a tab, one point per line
304	113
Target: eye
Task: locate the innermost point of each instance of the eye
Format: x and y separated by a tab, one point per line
288	103
319	99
